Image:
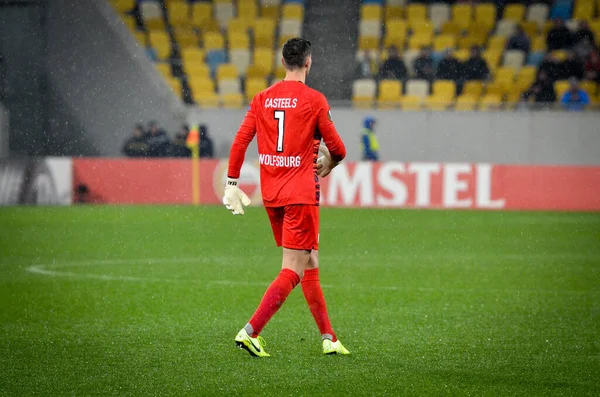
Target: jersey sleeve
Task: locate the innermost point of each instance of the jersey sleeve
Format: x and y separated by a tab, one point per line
326	128
241	141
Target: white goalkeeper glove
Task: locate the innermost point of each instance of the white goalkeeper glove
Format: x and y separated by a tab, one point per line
234	199
325	164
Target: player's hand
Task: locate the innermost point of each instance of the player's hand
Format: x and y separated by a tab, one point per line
234	199
324	163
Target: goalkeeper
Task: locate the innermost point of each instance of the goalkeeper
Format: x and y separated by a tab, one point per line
289	119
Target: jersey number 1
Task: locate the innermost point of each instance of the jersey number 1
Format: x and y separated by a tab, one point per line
280	117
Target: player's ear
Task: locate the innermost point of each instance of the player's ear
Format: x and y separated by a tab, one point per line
283	62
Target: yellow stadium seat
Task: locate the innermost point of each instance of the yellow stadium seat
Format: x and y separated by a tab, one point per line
193	55
227	71
561	87
415	11
485	14
462	15
232	101
560	55
538	44
497	43
475	28
201	12
450	27
490	102
444	88
465	103
395	33
526	76
152	16
185	38
371	12
492	57
256	72
584	10
160	41
393	12
513	98
264	32
411	103
515	12
213	41
210	26
279	74
201	85
420	26
175	85
163	68
467	42
589	86
141	38
239	41
418	41
123	6
237	25
197	71
443	42
254	86
368	43
473	89
505	75
179	13
390	92
462	55
437	103
269	11
530	28
247	10
263	58
292	11
494	88
206	99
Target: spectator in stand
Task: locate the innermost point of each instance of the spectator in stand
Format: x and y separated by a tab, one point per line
449	68
178	147
559	36
572	67
542	90
575	99
365	68
475	68
584	33
206	143
158	141
519	41
393	67
592	66
423	65
136	145
550	66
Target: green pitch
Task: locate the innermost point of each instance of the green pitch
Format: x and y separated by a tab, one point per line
147	300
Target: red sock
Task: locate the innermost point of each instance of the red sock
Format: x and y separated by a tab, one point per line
274	297
316	302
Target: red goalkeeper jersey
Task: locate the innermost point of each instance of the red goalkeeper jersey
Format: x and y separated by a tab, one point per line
289	119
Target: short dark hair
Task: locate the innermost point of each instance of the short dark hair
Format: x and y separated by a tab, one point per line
295	51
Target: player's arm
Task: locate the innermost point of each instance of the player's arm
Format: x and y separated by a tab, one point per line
234	198
335	149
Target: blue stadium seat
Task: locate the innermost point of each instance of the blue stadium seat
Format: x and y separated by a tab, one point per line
562	9
294	1
535	58
372	2
214	59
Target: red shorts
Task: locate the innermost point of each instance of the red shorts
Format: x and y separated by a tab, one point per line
295	226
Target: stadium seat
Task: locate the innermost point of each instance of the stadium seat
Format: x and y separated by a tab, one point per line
247	10
293	11
419	41
462	54
201	12
363	92
192	56
494	88
227	71
473	88
451	28
497	43
416	11
589	86
485	15
538	13
254	86
175	85
465	103
264	32
241	59
393	13
462	15
215	58
584	10
514	59
561	87
185	37
535	58
224	11
290	28
395	33
409	57
396	3
123	6
560	55
444	88
439	13
163	68
411	102
269	11
239	41
390	92
213	41
437	103
443	42
418	88
256	72
526	77
530	28
206	99
421	26
264	59
369	28
514	12
368	43
234	100
229	86
152	15
490	102
161	43
200	85
505	27
179	13
371	12
237	25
